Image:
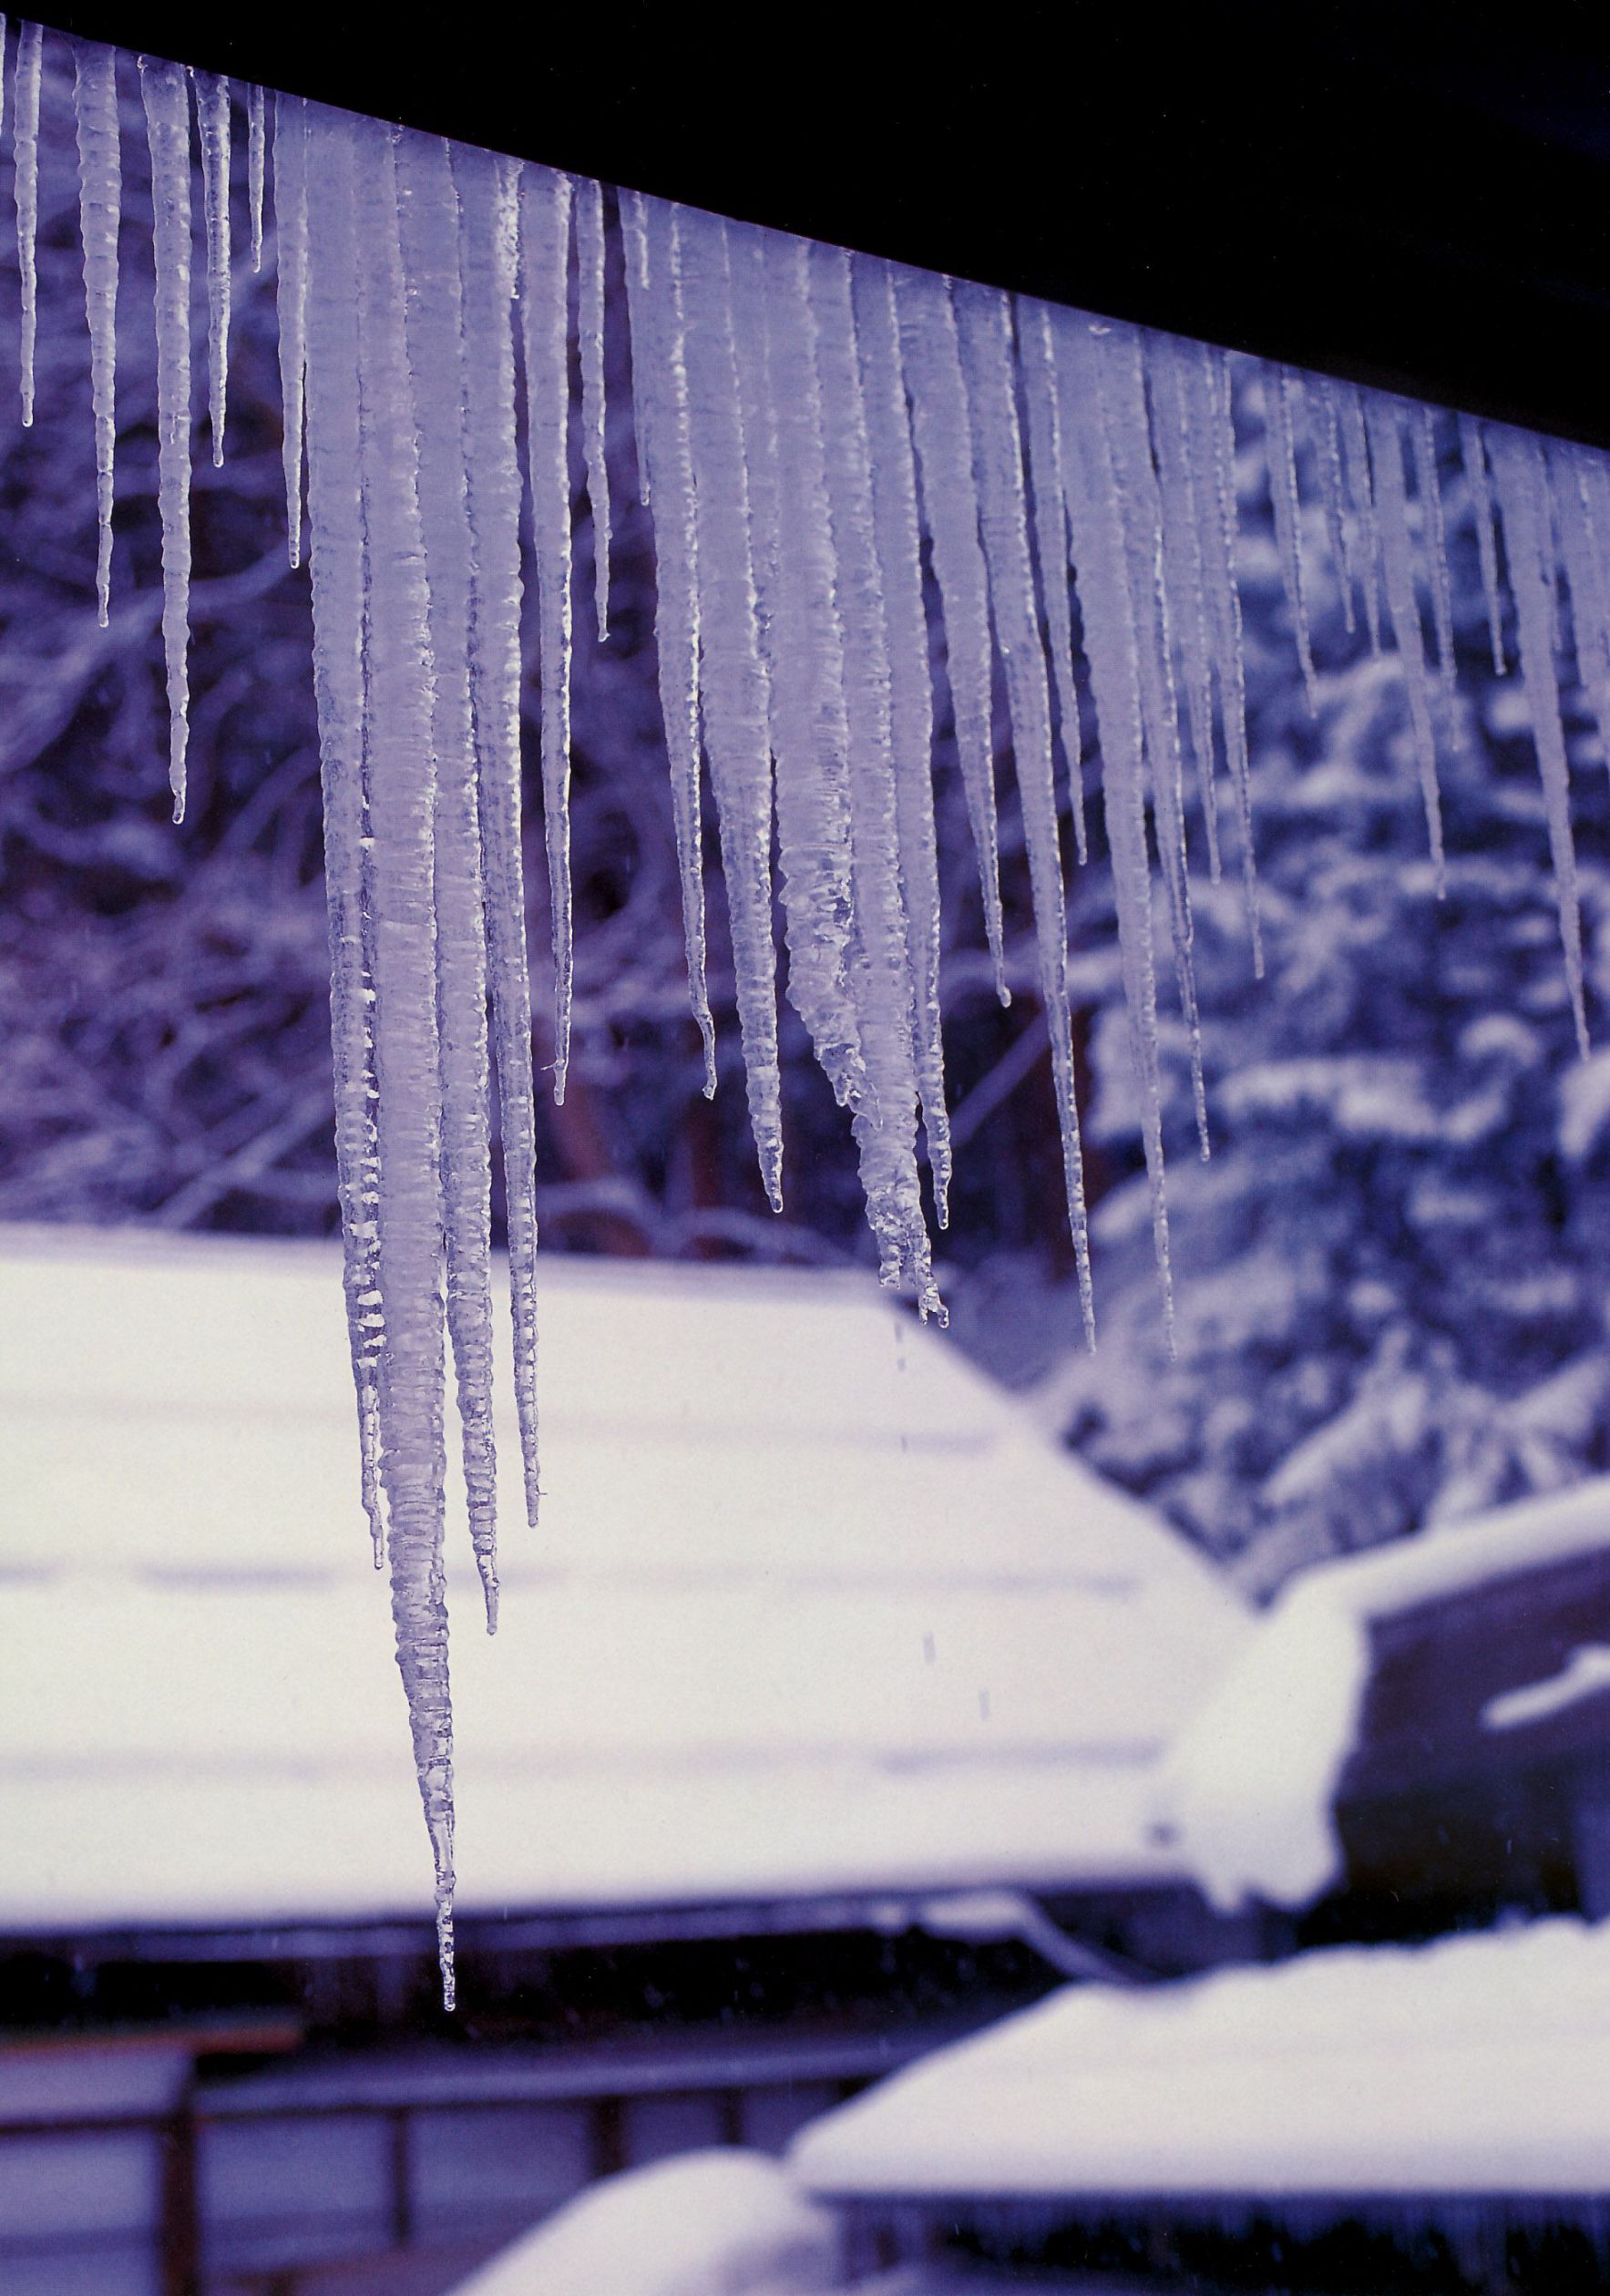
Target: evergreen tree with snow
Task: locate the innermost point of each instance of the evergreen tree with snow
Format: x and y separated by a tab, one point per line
1391	1276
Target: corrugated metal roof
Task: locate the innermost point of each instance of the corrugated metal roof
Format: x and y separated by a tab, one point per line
810	1607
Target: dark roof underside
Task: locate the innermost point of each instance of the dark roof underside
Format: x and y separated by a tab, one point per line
1415	195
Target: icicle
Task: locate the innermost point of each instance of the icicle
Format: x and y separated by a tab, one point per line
944	455
1166	360
634	249
808	731
659	385
255	158
1050	543
1349	404
1210	448
911	708
545	232
1386	462
402	803
1124	416
1434	539
1474	455
427	208
168	131
757	407
100	207
212	107
338	586
24	145
291	292
1280	386
886	1120
3	25
1584	571
1324	431
590	275
983	316
1101	567
687	253
489	192
1519	480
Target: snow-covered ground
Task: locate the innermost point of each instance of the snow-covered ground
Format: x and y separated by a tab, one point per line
1472	2067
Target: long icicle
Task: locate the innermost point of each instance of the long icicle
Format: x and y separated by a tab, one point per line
984	319
100	207
1350	405
1434	542
336	533
951	507
545	239
885	1122
1473	454
256	169
809	734
24	145
1325	434
1182	530
1124	417
660	395
589	278
212	110
428	213
1210	443
1584	571
1520	482
634	252
290	245
1386	463
1102	574
1280	388
687	251
1051	550
402	800
166	97
488	191
748	264
911	703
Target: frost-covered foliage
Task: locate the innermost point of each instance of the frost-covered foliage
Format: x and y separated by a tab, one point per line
1391	1295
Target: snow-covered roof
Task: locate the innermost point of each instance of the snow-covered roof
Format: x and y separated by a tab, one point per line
725	2223
1248	1790
811	1607
1473	2065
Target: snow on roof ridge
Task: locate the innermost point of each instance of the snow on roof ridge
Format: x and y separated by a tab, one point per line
1287	2078
1527	1533
1250	1786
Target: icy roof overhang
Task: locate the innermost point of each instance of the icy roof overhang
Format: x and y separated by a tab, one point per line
811	1609
1378	191
1475	2065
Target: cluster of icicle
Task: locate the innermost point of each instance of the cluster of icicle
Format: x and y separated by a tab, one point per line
804	419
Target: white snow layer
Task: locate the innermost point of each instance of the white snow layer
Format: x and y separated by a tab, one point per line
1473	2065
802	416
1247	1794
724	2224
801	1615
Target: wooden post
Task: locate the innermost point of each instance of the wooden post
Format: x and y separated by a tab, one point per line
179	2244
